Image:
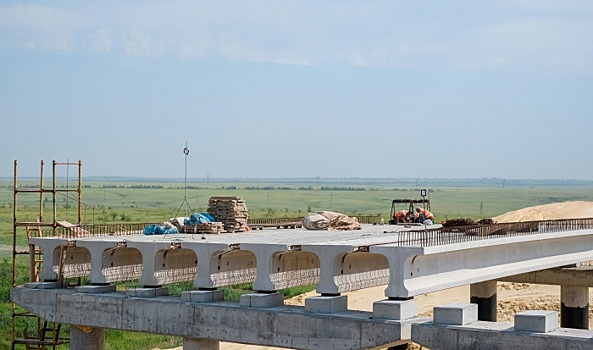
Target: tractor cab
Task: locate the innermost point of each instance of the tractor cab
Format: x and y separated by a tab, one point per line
407	204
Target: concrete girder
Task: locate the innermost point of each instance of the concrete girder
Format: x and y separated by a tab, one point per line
281	326
101	259
330	257
49	257
175	265
120	264
360	270
149	252
233	266
207	254
418	270
264	254
77	262
294	268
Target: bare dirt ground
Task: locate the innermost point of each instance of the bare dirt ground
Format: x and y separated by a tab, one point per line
512	297
565	210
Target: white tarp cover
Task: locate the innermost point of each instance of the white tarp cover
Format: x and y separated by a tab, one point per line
329	220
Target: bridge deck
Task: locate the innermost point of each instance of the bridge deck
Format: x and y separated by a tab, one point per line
410	261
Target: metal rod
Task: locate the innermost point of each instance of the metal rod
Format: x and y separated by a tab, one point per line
41	193
14	205
79	192
54	209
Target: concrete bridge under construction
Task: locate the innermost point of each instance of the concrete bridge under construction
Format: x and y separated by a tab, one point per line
409	261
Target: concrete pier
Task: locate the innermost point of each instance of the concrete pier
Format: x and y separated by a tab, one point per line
200	344
574	307
87	338
280	326
484	294
532	330
574	285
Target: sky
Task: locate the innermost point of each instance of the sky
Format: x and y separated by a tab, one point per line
299	89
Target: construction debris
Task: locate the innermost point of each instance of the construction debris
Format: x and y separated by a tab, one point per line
230	211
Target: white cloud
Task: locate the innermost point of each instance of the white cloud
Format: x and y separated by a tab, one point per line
101	40
137	43
423	34
37	27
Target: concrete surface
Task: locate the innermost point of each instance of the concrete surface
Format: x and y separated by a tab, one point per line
282	326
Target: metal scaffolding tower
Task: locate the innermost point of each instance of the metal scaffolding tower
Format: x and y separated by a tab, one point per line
47	334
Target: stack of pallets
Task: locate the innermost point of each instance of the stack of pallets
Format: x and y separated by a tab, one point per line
231	211
206	227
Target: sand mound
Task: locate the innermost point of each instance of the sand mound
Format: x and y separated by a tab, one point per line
553	211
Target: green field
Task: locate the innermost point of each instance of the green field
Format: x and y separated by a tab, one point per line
155	201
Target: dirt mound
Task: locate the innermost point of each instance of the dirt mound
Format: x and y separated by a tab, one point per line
553	211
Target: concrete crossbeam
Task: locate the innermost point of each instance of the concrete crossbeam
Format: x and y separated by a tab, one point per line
497	336
282	326
562	276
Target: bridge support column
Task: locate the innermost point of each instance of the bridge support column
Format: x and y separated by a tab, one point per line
574	307
484	294
87	338
200	344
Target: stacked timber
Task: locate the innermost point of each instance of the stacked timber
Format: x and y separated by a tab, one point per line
230	211
206	227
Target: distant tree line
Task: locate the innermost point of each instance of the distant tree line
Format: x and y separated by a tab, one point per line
334	188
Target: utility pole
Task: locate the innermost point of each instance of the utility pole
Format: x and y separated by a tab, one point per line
481	207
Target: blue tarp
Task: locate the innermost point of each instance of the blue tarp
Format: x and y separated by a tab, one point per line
198	218
159	230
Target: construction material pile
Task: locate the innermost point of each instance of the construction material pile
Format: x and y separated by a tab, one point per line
328	220
230	211
552	211
466	222
206	227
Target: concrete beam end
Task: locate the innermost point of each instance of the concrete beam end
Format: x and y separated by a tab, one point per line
456	314
41	285
395	309
326	304
261	300
537	321
147	292
95	289
202	296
